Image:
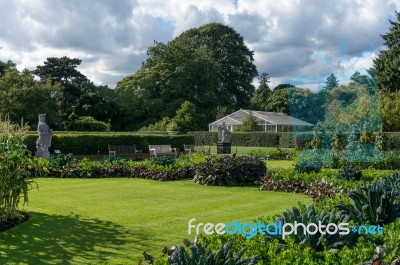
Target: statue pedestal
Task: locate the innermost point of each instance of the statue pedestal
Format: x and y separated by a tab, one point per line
223	148
43	154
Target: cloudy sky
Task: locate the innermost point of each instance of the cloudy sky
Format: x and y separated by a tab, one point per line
296	41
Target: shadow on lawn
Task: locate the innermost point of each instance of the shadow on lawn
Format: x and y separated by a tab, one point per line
56	239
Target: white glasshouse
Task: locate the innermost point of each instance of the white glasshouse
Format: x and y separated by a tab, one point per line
270	121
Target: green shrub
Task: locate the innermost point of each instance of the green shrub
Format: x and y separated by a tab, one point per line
274	154
230	171
88	124
377	203
162	160
318	241
308	166
349	172
199	255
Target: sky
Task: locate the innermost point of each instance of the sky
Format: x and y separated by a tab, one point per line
295	41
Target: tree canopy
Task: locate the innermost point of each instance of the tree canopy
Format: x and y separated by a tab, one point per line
387	64
260	99
331	82
209	66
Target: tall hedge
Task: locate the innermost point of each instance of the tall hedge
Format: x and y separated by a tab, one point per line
97	143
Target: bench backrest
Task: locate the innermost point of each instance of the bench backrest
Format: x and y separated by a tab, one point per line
161	148
122	149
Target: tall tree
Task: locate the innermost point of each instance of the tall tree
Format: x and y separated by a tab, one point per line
368	81
262	94
22	97
209	66
63	71
9	65
331	82
387	63
278	101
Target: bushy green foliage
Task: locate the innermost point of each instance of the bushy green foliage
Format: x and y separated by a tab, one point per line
15	181
162	160
199	255
308	166
377	203
318	241
88	124
158	126
349	172
250	124
274	154
230	171
187	118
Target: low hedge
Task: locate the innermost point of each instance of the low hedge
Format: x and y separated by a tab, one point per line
91	144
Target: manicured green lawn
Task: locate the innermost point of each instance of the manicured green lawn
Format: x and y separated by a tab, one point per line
111	221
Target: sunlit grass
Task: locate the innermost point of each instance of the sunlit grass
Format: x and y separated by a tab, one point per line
92	221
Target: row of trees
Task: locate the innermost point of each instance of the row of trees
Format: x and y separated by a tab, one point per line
201	75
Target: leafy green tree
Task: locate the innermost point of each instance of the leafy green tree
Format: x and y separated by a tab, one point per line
95	104
22	97
250	124
160	125
331	82
209	66
278	101
368	81
187	118
262	94
9	65
307	105
63	71
387	64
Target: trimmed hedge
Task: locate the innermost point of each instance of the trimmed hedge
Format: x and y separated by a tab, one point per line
91	144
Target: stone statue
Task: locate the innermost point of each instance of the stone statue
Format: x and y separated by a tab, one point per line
44	141
224	135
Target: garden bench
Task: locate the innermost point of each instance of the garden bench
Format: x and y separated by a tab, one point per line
124	150
160	150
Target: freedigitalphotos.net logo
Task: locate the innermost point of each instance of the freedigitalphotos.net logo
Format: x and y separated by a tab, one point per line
280	229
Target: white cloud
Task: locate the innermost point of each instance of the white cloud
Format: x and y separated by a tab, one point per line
293	40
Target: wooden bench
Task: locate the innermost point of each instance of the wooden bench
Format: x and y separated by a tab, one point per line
124	150
162	149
